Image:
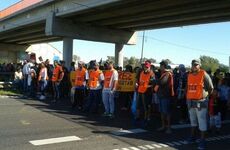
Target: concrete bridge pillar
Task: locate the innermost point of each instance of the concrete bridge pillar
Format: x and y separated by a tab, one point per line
67	51
119	55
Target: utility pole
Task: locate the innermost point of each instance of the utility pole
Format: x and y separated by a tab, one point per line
229	65
143	41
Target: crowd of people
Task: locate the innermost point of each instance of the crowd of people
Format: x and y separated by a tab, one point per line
201	97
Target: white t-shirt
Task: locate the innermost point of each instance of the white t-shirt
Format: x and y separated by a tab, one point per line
43	73
18	75
26	68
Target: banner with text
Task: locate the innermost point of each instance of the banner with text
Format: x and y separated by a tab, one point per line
126	82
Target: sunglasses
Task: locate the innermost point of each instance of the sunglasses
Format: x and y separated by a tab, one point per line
195	64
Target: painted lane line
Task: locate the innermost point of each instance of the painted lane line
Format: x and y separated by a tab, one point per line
174	143
164	145
142	147
24	122
157	145
149	147
170	144
183	142
181	126
55	140
134	148
177	143
132	131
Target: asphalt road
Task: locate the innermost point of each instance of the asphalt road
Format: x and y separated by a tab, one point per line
27	124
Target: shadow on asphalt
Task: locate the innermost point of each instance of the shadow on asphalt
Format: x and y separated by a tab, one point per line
103	125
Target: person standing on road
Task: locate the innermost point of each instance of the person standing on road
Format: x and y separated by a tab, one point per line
95	82
165	93
42	80
78	91
199	87
109	89
145	92
56	79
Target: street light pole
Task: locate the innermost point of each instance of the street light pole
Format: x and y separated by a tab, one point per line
143	38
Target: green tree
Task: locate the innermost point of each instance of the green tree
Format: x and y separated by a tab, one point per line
133	61
151	59
209	64
110	58
223	68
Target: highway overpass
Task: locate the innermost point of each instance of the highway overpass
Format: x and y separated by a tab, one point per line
113	21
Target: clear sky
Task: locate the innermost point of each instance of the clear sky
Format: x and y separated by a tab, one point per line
180	45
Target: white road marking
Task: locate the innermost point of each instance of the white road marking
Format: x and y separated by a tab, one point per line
132	131
174	143
181	126
164	145
24	122
156	145
134	148
149	147
142	147
171	144
183	142
55	140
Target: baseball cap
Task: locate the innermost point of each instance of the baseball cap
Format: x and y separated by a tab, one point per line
81	62
95	64
147	64
181	66
196	62
164	63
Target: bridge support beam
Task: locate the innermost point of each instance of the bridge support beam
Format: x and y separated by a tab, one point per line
76	30
119	55
67	51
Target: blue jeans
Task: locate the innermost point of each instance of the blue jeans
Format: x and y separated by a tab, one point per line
108	100
56	89
93	100
43	84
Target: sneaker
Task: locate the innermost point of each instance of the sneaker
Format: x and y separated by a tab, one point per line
191	140
105	114
42	97
202	145
168	131
161	129
111	115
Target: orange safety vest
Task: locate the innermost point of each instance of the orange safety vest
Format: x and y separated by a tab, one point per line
195	85
94	78
56	73
107	74
144	82
80	77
